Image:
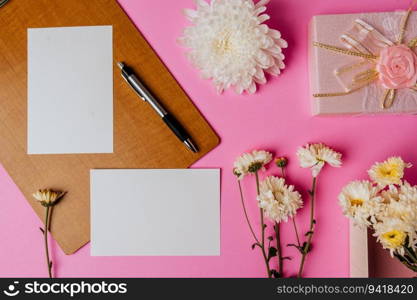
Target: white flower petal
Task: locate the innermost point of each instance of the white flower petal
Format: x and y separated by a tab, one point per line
202	4
252	87
263	18
306	157
274	70
259	10
274	33
190	14
262	3
317	168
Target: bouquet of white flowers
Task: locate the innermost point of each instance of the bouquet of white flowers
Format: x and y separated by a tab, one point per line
388	205
279	202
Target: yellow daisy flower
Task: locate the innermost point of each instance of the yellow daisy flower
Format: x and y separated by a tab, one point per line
388	172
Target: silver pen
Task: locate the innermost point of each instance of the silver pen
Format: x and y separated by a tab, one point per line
145	95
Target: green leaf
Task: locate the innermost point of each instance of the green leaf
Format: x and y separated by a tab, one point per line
254	245
306	248
272	252
275	274
297	247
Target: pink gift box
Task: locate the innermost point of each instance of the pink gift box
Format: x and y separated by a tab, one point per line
325	64
369	259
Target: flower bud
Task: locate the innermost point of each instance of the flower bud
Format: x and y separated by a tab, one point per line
281	162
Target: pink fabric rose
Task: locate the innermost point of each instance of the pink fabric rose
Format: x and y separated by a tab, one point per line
397	67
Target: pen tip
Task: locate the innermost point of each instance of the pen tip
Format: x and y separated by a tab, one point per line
190	145
120	64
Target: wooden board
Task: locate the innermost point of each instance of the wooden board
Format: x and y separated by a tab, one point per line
141	140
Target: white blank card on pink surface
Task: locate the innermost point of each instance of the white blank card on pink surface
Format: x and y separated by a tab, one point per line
155	212
70	90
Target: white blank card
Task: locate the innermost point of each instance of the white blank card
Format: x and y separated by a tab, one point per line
70	90
155	212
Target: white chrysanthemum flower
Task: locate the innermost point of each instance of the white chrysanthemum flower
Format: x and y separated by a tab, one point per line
251	162
230	44
401	203
48	197
360	202
392	234
388	172
278	200
315	156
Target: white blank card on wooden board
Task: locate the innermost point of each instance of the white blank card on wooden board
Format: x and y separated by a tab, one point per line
155	212
70	90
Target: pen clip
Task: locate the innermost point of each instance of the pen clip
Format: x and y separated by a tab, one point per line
133	88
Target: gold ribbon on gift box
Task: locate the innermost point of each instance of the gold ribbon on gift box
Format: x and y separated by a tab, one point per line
365	42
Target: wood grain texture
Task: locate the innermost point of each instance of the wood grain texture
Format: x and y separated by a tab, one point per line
141	139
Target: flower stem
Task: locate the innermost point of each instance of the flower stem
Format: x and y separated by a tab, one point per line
245	212
262	243
279	249
47	220
406	263
283	172
311	230
296	231
261	210
411	255
293	218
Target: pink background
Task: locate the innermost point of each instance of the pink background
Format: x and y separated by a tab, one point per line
277	118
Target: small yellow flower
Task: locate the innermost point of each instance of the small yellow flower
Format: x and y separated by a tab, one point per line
47	197
388	172
392	233
394	238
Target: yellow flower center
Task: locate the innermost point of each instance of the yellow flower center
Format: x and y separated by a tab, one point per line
394	238
223	44
390	170
356	202
277	195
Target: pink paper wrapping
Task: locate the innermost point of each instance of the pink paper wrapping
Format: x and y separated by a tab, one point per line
328	29
369	259
358	251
